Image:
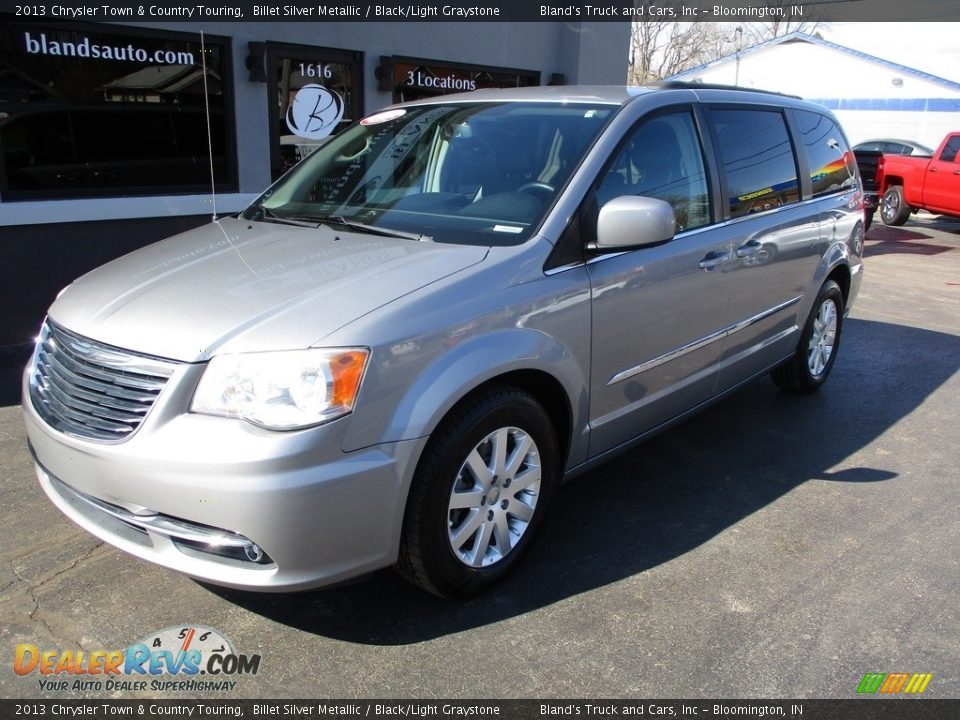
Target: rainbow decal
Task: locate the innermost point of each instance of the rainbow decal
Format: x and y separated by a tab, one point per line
894	683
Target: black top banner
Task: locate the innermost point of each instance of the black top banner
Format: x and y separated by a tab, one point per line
491	10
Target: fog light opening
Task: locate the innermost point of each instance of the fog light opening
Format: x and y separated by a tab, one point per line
253	552
247	552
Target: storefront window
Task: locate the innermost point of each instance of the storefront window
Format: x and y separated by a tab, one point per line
86	111
318	93
418	78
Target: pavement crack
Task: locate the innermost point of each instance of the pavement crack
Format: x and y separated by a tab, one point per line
53	542
35	614
76	561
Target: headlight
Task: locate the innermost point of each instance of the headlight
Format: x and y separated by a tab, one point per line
282	390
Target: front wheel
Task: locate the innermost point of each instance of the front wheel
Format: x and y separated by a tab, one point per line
479	494
893	207
817	350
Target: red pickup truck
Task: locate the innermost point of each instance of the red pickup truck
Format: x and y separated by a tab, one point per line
910	183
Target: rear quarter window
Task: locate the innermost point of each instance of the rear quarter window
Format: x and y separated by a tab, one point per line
830	159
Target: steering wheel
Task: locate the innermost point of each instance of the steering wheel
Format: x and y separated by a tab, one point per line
538	189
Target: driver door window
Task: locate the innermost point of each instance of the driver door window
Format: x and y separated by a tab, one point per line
662	159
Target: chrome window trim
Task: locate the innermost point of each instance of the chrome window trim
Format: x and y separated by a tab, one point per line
685	234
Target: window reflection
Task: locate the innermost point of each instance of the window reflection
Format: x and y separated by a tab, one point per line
831	161
662	159
315	100
93	112
758	160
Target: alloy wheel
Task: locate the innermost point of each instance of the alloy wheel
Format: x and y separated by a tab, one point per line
822	337
493	497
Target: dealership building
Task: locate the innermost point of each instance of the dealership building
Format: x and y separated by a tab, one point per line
871	96
104	130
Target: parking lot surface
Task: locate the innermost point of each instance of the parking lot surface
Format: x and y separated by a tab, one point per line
773	546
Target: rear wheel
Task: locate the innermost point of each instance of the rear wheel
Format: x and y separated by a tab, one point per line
893	208
479	494
817	350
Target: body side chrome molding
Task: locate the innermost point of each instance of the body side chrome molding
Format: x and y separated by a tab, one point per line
704	341
667	357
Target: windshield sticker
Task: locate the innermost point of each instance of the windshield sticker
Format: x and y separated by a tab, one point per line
382	117
315	112
507	229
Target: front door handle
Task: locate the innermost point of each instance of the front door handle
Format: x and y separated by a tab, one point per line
712	259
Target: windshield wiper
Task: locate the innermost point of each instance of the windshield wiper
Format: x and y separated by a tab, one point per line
372	229
315	221
266	214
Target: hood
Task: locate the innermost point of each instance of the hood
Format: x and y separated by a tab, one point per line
248	286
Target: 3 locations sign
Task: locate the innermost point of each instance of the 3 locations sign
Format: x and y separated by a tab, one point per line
413	78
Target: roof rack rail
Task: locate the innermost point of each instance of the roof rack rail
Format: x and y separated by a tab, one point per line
684	84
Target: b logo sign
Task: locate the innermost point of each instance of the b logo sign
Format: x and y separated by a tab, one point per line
314	112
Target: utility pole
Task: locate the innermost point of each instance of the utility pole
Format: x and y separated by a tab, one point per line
738	34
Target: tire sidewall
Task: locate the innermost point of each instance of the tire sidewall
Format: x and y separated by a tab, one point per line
893	208
890	197
829	291
515	409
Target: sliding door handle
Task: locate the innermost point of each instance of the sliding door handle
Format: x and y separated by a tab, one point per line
711	260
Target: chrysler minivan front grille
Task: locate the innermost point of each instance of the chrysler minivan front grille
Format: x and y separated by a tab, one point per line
90	390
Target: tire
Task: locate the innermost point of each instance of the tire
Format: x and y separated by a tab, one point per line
809	367
893	208
470	517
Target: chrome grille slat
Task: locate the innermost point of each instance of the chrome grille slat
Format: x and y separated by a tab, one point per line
84	367
66	399
80	418
91	390
79	387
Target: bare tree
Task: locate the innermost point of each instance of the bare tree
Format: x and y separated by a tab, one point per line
661	49
647	41
783	22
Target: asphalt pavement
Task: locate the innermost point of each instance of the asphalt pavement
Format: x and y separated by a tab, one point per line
773	546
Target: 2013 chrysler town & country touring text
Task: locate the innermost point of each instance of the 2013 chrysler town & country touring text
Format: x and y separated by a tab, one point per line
397	352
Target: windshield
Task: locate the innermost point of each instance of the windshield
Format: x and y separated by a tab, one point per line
479	174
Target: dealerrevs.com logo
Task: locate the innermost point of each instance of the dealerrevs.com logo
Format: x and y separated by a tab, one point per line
179	658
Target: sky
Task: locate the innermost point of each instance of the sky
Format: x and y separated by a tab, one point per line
931	47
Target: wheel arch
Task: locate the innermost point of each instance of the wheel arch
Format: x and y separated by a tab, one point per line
889	181
547	391
526	359
841	276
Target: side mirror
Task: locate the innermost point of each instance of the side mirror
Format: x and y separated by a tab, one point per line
632	221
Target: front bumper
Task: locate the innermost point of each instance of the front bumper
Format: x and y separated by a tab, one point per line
319	514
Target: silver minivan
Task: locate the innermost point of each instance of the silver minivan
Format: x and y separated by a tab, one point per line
399	350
